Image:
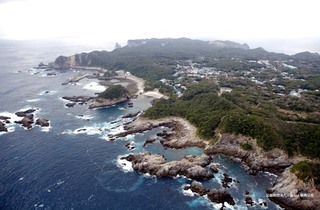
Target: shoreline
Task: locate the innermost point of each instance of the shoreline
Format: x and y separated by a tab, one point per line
134	84
182	134
274	161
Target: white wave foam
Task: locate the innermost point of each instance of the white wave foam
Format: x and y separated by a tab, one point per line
10	126
60	182
46	129
48	92
34	100
13	116
125	165
84	117
88	130
228	206
147	175
270	174
70	132
188	193
94	86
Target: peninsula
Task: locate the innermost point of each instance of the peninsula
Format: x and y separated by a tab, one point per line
259	106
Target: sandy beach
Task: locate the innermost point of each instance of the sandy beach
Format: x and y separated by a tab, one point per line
139	86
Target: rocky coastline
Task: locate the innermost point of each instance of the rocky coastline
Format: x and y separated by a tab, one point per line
255	158
294	194
26	120
288	191
216	196
192	167
181	134
102	102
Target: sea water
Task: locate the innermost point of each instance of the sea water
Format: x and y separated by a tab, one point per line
72	164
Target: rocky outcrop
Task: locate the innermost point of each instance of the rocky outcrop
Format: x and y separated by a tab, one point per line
150	140
42	122
24	113
130	145
216	196
192	167
102	102
258	160
78	99
3	128
70	104
63	62
287	191
214	168
292	193
226	181
182	133
3	121
27	121
131	115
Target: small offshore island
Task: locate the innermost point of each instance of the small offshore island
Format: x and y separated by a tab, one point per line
257	106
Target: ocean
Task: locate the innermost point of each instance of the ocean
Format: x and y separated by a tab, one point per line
72	164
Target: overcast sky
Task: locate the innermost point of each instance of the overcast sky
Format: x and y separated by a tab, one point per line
118	20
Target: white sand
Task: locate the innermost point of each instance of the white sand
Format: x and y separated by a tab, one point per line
94	86
153	94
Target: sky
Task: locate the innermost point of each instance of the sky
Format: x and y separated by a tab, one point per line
255	22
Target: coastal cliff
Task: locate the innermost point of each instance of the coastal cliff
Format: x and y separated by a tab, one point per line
293	193
113	95
103	102
288	190
250	153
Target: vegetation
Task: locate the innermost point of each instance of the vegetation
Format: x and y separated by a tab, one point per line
246	146
275	98
307	171
240	113
114	92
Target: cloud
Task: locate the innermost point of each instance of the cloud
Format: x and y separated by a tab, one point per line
123	19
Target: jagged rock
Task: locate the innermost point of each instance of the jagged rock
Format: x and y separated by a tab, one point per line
258	160
131	115
197	188
102	102
27	121
214	168
78	99
70	105
164	134
249	200
192	167
42	122
130	145
289	192
149	140
4	118
216	196
226	180
3	128
220	196
182	134
24	113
